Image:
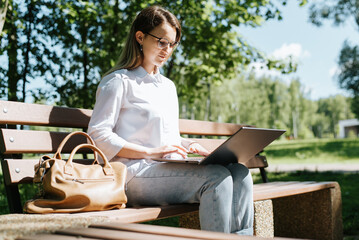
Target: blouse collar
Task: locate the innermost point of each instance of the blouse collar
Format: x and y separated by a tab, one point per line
141	73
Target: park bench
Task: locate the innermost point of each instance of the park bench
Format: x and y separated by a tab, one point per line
288	209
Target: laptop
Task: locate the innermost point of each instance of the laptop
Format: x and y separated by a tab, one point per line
239	148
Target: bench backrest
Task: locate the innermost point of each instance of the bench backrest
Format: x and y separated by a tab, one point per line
39	129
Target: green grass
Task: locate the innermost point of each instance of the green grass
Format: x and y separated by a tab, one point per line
313	151
348	183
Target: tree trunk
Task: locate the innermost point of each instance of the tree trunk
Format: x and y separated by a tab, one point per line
12	74
28	47
85	90
170	66
3	10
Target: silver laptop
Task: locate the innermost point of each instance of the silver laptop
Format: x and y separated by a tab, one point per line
240	147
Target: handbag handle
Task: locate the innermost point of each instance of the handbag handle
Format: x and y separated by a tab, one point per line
62	144
108	170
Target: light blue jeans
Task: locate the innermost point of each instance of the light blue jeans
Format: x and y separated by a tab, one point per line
225	193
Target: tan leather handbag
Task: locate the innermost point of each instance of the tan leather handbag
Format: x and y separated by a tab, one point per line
73	187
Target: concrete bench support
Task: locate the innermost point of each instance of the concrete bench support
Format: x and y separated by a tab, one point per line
314	215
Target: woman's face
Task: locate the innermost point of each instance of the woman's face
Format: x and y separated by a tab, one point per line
155	56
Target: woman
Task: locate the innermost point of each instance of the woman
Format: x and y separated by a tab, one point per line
135	118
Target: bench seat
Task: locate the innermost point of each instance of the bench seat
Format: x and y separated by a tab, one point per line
289	209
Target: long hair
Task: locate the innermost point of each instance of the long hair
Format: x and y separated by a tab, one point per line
131	56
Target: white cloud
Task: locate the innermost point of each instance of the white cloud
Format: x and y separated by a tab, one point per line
294	50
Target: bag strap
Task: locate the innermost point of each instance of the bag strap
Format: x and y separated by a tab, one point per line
108	170
62	144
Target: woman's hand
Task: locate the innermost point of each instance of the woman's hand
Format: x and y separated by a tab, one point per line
135	151
197	148
160	152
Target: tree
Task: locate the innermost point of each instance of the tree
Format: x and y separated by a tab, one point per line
25	45
85	37
340	11
334	108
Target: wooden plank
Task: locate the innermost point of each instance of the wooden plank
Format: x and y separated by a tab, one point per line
43	115
170	231
27	141
114	234
17	141
288	190
197	127
142	214
22	170
49	236
209	144
284	186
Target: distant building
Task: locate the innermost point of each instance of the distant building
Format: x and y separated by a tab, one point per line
348	125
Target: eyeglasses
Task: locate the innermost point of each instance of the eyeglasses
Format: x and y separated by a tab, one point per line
163	42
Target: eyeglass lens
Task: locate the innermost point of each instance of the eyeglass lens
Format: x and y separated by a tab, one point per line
163	43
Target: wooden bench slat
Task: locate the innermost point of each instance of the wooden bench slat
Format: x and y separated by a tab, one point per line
22	170
140	214
209	144
284	188
54	237
197	127
27	141
280	191
43	115
113	234
271	185
169	231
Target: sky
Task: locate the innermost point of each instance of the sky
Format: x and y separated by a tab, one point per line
315	48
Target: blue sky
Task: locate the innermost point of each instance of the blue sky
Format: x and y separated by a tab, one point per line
315	48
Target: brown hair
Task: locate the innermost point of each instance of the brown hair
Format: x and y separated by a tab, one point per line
149	18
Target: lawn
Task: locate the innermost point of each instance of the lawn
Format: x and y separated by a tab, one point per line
313	151
294	151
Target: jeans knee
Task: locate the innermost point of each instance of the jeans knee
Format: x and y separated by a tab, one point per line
242	176
220	177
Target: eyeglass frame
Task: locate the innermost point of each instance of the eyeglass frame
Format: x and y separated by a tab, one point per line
172	45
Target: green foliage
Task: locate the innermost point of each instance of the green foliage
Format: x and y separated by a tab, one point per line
269	102
349	74
339	11
26	46
77	41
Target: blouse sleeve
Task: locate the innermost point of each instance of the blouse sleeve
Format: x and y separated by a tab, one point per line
109	100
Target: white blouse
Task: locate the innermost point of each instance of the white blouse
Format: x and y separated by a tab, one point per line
134	106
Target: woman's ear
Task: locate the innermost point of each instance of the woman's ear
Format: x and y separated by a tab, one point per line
140	37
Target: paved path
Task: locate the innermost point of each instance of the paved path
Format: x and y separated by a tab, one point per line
334	167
